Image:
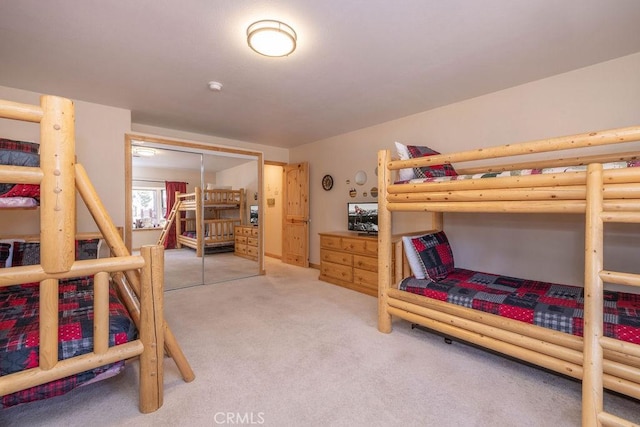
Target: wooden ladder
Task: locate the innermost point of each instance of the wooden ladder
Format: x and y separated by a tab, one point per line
167	225
593	413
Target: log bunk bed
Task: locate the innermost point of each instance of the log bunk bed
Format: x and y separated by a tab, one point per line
208	227
604	187
67	317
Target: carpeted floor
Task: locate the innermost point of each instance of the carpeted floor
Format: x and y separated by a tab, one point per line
184	269
288	350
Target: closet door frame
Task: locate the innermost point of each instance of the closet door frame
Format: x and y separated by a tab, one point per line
198	148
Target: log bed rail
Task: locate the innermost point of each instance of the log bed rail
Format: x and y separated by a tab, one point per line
611	195
139	278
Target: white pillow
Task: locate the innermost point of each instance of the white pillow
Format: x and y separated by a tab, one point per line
403	154
412	256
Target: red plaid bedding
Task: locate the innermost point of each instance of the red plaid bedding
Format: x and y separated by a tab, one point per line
550	305
523	172
19	335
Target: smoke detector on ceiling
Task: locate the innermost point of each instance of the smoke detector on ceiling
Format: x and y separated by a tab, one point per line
215	86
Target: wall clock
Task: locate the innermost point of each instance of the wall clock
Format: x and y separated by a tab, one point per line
327	182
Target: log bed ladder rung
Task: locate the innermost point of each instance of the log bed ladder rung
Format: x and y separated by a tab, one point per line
167	225
593	413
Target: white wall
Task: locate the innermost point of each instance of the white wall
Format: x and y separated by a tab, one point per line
243	176
272	215
99	147
542	247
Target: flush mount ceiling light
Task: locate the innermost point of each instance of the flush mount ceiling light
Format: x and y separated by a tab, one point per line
271	38
144	152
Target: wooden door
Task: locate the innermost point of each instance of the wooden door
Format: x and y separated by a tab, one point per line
295	227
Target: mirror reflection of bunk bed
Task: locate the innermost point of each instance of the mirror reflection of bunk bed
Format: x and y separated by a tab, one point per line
211	218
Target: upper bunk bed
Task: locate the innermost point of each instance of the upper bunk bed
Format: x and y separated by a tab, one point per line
214	215
53	347
587	333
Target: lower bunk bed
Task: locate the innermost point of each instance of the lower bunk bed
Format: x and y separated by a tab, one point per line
214	215
19	335
584	332
219	235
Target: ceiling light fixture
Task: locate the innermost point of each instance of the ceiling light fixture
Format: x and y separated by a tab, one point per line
144	152
271	38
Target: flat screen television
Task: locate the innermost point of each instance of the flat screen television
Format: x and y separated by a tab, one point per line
363	217
253	214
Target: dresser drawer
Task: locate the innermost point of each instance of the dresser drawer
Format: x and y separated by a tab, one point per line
364	247
252	241
252	250
330	242
241	240
241	249
366	278
246	231
337	271
336	257
365	263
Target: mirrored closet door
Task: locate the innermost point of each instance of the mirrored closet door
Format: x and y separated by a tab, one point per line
230	256
214	240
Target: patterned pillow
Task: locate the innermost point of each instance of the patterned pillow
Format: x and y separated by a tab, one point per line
26	253
25	147
429	255
87	249
5	251
429	171
8	262
18	153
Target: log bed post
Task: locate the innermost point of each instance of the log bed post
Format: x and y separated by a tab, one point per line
177	221
151	329
437	221
592	392
199	211
57	189
384	243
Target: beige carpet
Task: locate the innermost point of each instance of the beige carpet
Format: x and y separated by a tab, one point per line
288	350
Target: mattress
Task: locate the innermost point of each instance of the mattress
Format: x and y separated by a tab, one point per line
523	172
19	335
549	305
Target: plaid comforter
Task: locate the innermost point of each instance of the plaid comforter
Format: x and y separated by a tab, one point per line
19	335
523	172
549	305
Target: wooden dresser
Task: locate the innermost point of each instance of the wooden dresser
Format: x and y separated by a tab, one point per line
350	260
246	245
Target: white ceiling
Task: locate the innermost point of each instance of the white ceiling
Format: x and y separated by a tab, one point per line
358	62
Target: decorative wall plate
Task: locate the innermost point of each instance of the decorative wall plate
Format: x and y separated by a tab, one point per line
327	182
